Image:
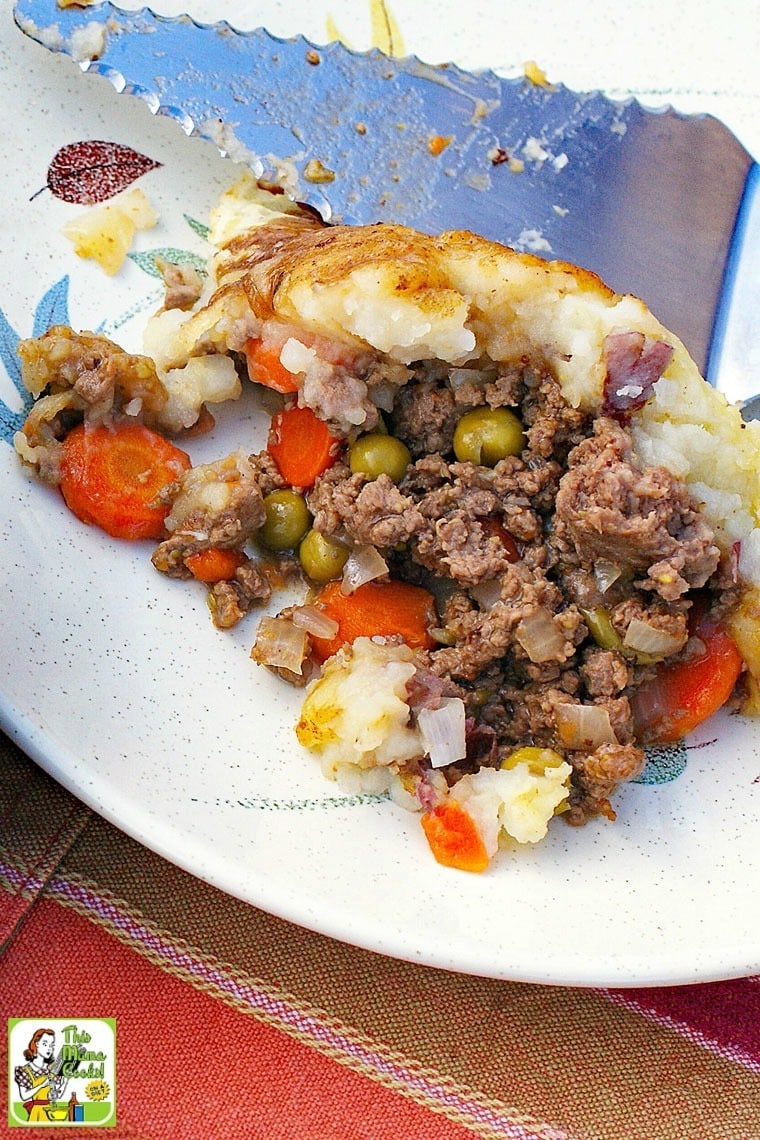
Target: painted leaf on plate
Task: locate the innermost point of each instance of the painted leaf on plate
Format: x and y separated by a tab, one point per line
664	763
93	171
52	309
147	259
197	227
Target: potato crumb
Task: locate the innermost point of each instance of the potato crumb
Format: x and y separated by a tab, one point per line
356	713
315	171
517	802
438	143
104	234
536	74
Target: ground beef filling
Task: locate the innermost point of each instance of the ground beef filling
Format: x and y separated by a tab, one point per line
512	553
541	564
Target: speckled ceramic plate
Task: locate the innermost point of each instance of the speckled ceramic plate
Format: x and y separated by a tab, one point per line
115	681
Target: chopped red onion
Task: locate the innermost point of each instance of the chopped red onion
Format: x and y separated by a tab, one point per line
482	743
634	365
424	690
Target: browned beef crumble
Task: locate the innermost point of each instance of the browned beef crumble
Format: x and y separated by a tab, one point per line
366	512
424	417
611	506
230	600
604	672
201	527
94	369
183	282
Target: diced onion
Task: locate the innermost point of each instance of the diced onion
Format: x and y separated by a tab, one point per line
383	396
443	732
314	621
606	574
46	410
540	637
280	645
584	726
442	636
364	564
645	638
487	593
460	376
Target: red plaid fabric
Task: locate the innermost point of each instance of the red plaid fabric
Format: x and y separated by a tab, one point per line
233	1023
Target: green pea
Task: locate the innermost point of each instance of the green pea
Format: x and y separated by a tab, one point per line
486	435
287	520
322	557
601	628
605	635
379	454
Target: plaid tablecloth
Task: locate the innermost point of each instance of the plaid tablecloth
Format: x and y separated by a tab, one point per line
233	1023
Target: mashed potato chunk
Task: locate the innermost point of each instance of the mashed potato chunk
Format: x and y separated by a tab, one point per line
105	233
519	800
356	713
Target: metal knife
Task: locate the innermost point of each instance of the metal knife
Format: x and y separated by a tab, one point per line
659	204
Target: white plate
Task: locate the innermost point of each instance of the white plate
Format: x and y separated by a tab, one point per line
115	681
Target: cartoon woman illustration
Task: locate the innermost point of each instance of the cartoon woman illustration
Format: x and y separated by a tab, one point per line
37	1082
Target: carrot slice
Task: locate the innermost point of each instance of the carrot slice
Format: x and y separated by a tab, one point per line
301	445
265	367
454	838
215	564
493	527
111	476
680	696
376	609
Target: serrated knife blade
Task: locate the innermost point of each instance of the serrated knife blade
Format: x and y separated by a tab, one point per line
657	203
